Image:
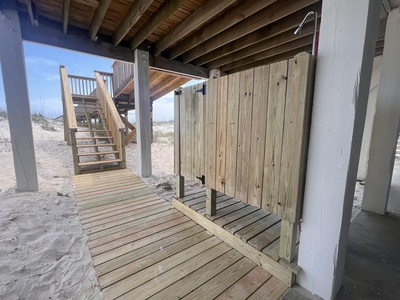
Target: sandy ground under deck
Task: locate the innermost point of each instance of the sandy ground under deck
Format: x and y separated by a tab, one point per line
43	250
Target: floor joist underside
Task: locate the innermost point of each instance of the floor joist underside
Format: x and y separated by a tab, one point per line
144	248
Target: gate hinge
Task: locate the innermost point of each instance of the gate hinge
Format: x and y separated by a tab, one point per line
202	90
178	92
202	178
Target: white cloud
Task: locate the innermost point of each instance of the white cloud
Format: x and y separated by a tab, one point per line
33	60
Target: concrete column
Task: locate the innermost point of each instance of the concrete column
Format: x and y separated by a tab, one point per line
344	66
369	120
17	99
142	111
386	122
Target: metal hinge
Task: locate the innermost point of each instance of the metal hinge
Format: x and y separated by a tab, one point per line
202	178
202	90
178	92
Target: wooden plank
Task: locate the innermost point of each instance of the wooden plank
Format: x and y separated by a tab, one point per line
162	13
65	15
201	130
221	133
272	250
232	133
233	216
197	205
211	201
266	237
122	287
295	136
184	286
98	17
274	135
134	13
257	227
222	281
254	255
169	277
96	200
182	132
245	221
102	258
100	188
147	246
246	286
270	290
244	134
150	259
204	13
188	96
194	125
211	132
226	210
257	140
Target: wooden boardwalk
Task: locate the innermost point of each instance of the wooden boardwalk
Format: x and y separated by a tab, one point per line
143	248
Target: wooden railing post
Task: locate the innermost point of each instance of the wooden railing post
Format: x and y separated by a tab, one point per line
74	150
180	180
287	244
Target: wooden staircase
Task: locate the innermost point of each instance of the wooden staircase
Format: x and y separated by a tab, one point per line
92	125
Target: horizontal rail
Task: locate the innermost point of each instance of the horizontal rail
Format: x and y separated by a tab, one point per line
82	86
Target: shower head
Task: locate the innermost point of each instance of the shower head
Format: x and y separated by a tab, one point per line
298	30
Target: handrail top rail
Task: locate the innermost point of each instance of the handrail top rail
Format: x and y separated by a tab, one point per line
81	77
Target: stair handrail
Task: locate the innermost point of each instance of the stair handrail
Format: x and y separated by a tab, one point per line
68	105
116	126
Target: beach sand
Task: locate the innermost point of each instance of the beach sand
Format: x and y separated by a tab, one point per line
43	250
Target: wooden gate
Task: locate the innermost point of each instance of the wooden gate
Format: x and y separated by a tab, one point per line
248	135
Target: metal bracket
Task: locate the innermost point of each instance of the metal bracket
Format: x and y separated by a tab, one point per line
178	92
202	178
202	90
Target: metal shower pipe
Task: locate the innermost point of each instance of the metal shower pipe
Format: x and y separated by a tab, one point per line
298	30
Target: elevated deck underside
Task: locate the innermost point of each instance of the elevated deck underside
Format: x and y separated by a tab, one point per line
144	248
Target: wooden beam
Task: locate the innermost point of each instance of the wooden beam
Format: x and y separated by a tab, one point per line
32	12
163	12
77	39
275	41
203	14
98	18
293	45
163	83
236	14
16	96
179	82
288	23
268	15
132	16
65	15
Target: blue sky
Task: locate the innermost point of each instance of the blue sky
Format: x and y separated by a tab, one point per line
42	65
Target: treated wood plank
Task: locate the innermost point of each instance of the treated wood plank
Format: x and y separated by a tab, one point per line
153	258
169	277
190	203
188	94
137	235
266	237
107	256
225	210
246	286
270	290
101	190
184	286
257	139
222	106
211	128
233	216
92	198
245	221
232	133
274	135
222	281
202	204
177	133
257	227
243	144
201	132
182	131
272	250
122	287
192	196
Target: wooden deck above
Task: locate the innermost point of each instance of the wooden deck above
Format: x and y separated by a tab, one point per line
144	248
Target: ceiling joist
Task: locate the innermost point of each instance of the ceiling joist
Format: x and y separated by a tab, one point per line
98	18
132	16
32	13
203	14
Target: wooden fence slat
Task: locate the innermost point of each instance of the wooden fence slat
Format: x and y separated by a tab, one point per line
201	131
295	133
177	116
182	124
232	133
212	102
189	138
244	147
221	133
275	118
193	123
258	131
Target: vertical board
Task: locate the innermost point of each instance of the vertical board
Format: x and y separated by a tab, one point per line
221	133
182	127
232	119
294	136
211	135
244	133
188	92
274	134
194	121
258	130
177	142
201	132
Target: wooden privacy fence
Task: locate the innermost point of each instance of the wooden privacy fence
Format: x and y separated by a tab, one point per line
248	136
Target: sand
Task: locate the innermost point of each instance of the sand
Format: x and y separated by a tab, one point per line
43	250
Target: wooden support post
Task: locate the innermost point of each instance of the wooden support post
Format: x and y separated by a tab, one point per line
17	99
211	202
180	180
385	130
343	75
142	109
287	241
75	157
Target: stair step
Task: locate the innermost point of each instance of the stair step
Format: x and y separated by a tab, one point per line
97	153
94	145
99	162
94	130
96	138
